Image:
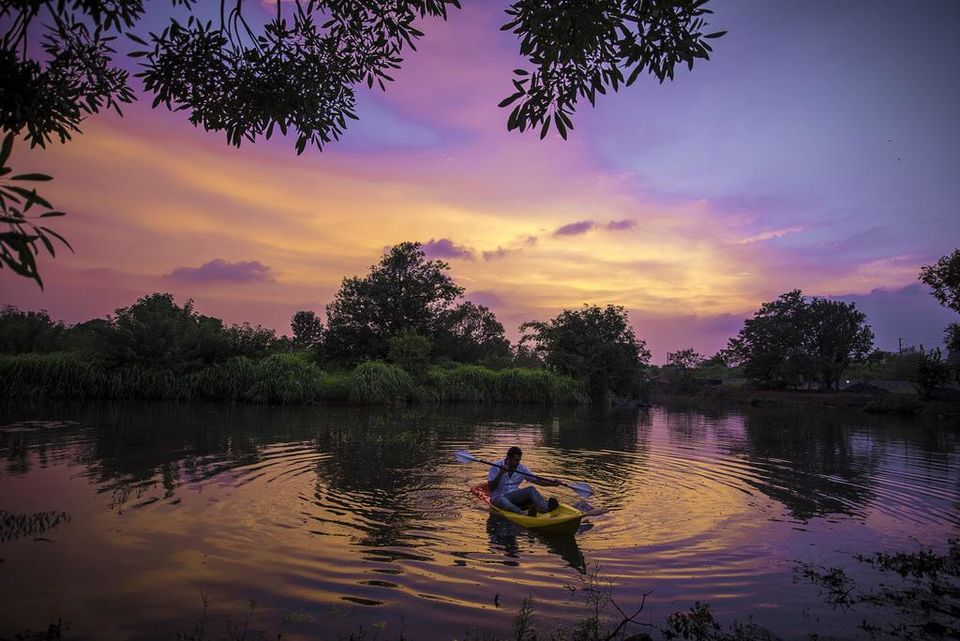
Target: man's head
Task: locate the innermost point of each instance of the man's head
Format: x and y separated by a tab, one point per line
514	454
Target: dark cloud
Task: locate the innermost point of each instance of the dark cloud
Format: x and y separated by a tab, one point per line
909	314
219	270
575	229
499	252
530	240
445	248
621	225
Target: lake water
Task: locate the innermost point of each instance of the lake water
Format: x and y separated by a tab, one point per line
320	522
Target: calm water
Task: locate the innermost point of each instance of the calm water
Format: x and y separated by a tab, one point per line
335	519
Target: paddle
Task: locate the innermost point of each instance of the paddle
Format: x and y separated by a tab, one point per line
582	489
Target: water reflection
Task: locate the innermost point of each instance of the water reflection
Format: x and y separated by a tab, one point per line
505	536
367	508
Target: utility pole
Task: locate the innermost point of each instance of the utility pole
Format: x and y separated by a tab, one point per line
899	345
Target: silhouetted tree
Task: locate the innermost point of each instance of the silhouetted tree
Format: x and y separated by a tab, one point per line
301	70
297	72
593	344
472	334
22	332
792	340
943	277
24	236
405	291
770	345
252	341
155	331
838	334
951	336
307	329
681	367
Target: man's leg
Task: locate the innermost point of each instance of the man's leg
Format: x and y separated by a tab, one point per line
530	495
504	503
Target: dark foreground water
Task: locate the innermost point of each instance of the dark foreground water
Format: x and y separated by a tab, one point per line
326	521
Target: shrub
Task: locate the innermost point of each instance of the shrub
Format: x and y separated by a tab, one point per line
375	382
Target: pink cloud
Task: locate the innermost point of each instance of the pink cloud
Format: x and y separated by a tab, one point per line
445	248
575	229
219	270
621	225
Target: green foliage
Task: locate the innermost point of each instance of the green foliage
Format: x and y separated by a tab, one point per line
22	332
597	346
580	49
92	337
475	383
681	369
405	291
932	372
300	70
376	383
792	341
307	329
23	239
78	76
944	278
280	378
158	332
285	378
55	375
471	333
951	336
410	351
252	341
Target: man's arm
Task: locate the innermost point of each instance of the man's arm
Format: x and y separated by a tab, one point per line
493	482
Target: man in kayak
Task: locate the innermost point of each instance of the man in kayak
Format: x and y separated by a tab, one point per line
504	485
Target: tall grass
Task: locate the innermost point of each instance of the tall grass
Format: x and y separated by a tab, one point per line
376	383
474	383
54	375
280	378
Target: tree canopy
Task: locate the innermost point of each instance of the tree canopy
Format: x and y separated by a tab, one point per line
593	344
307	329
943	277
298	71
793	340
405	291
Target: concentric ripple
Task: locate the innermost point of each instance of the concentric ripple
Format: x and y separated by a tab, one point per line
348	525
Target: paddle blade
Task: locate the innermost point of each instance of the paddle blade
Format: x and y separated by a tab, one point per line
464	456
582	489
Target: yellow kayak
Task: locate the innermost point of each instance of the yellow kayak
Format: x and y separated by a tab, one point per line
563	519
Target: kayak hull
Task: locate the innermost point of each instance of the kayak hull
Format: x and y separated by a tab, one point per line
564	519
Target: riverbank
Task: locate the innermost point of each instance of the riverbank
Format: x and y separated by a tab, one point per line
280	379
871	401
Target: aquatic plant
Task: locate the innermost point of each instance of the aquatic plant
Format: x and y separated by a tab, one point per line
376	382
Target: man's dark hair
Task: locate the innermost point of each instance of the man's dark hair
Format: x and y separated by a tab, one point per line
514	451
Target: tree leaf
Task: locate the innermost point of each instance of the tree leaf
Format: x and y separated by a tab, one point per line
35	177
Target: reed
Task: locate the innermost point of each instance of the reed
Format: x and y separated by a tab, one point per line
474	383
376	383
280	378
54	375
286	378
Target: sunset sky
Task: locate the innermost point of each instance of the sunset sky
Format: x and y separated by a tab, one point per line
817	149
